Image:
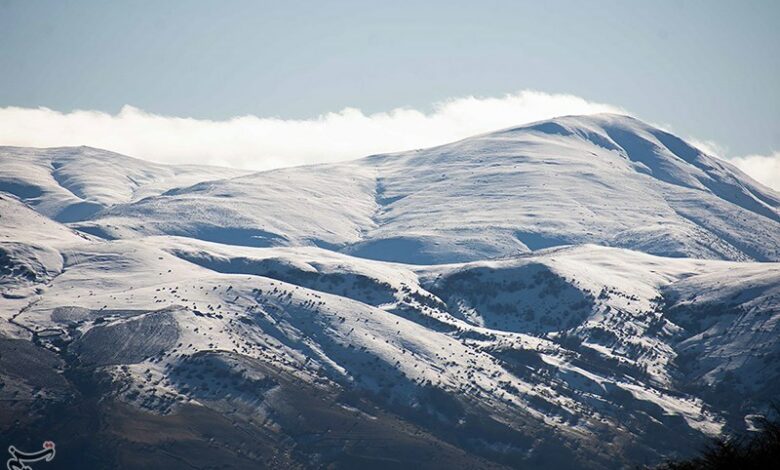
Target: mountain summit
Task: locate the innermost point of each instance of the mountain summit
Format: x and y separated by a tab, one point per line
605	179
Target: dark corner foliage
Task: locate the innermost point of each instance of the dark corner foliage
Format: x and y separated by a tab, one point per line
753	450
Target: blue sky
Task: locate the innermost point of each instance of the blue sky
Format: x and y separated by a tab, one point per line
707	69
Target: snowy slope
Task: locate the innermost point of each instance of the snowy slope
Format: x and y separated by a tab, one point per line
605	179
335	204
74	183
30	252
495	302
594	361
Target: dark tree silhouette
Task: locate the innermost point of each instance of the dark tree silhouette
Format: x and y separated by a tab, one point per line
756	450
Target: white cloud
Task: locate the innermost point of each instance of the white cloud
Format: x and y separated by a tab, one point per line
763	168
261	143
709	147
253	142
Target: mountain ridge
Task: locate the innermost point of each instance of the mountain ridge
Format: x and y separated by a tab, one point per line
523	298
496	194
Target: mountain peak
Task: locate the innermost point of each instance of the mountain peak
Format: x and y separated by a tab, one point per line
604	179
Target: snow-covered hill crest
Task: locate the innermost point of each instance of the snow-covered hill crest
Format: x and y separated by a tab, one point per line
74	183
604	179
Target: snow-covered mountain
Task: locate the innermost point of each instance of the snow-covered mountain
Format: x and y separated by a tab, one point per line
585	292
605	179
70	184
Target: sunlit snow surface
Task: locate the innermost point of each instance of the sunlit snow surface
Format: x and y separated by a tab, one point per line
589	278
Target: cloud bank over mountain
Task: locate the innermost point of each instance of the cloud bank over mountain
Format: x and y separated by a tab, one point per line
262	143
764	168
